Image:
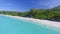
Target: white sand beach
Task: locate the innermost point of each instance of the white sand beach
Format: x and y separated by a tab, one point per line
47	23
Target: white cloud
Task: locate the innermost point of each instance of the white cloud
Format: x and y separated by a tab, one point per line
48	3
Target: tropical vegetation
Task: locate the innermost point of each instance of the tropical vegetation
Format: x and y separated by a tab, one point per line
45	14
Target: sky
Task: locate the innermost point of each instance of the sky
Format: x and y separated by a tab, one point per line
25	5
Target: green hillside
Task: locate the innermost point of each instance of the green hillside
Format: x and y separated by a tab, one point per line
45	14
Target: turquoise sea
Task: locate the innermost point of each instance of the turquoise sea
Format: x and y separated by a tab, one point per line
14	26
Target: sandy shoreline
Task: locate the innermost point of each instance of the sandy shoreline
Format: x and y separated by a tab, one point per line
47	23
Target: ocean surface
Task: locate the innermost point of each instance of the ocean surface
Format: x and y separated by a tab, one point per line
14	26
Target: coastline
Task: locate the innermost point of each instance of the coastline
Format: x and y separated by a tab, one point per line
46	23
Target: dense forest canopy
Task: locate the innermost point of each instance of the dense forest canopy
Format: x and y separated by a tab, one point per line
46	14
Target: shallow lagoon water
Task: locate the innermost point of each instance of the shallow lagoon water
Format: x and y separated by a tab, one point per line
14	26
